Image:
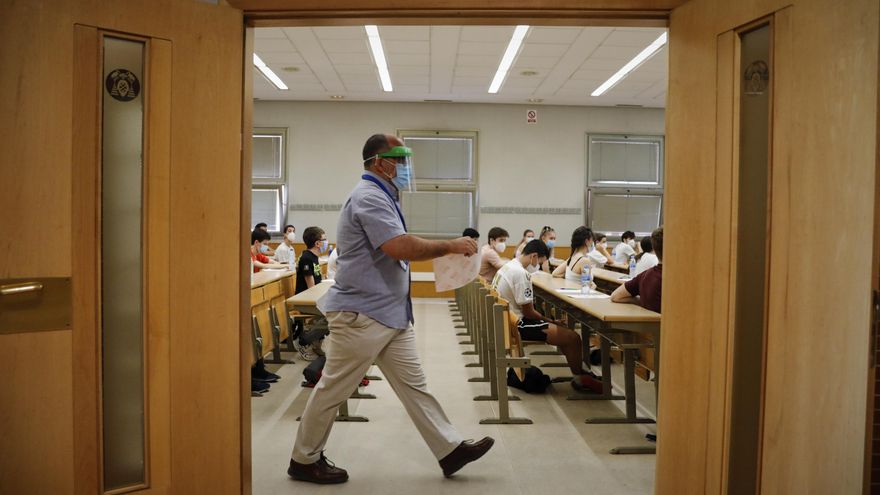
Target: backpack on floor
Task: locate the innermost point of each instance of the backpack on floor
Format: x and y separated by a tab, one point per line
534	380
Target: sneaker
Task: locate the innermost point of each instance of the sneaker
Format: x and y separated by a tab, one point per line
258	386
306	352
587	382
365	381
264	375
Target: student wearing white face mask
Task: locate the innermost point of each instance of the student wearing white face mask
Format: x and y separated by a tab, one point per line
528	236
626	248
601	247
490	254
259	248
513	283
285	252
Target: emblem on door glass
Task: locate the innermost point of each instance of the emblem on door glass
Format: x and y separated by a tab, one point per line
756	78
123	85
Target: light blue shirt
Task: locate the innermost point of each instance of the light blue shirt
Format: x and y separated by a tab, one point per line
369	281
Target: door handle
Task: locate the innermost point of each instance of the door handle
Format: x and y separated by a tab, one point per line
20	288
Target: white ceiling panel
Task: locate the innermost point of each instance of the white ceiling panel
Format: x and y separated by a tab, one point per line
459	62
346	46
264	45
499	34
563	35
411	47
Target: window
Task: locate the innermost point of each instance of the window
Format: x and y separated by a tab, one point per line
624	183
269	177
445	201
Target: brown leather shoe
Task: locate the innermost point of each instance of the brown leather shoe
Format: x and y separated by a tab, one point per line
322	472
468	451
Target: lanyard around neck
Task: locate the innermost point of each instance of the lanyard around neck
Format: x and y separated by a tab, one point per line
388	193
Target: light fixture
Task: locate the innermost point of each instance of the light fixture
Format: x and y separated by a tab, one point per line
507	60
290	68
271	76
529	73
379	56
336	97
631	65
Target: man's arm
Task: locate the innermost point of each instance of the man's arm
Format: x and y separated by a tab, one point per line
310	281
529	311
413	248
621	295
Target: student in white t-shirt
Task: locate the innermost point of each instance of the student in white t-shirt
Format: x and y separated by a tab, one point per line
646	259
331	263
285	253
626	248
513	283
600	245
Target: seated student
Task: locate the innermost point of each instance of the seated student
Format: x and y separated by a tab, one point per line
582	254
490	259
646	259
528	236
548	237
331	263
513	283
645	288
285	252
308	274
265	228
472	233
259	248
626	248
601	246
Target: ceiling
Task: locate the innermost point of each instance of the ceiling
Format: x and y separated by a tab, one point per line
557	65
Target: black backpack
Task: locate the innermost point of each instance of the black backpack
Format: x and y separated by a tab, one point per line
312	372
534	380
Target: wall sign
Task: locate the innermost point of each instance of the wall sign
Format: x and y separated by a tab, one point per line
532	116
123	85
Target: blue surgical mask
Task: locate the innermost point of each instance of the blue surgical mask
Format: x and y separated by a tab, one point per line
551	243
324	244
403	179
264	248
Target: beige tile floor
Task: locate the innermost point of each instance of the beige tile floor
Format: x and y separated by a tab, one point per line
558	453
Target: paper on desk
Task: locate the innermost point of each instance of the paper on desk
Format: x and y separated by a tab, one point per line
455	270
592	295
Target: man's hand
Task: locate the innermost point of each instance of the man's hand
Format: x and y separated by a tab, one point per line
463	245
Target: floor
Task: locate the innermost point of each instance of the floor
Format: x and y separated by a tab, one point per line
387	456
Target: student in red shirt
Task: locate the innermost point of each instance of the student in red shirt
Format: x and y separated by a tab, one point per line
259	248
646	288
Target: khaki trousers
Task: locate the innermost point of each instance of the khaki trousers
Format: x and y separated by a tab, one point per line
356	341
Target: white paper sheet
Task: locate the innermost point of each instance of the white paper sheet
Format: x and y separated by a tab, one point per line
455	270
588	296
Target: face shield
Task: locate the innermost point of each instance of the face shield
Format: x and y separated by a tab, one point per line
404	181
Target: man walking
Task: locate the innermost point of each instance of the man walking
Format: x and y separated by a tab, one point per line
370	316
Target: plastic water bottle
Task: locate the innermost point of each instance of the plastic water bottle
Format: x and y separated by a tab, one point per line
586	279
632	267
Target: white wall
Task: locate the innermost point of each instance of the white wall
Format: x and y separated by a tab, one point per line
519	164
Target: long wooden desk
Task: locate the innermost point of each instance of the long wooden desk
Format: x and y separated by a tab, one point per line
269	289
615	324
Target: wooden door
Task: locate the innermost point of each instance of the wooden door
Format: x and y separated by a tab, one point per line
56	383
820	204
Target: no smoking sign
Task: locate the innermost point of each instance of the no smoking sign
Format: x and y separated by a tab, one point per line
532	116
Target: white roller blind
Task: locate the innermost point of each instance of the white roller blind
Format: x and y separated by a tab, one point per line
267	157
625	161
444	214
616	213
442	158
266	207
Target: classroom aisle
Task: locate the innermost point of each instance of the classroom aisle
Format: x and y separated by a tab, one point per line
387	456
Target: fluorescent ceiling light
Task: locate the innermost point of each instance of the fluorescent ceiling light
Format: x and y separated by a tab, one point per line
512	48
271	76
379	56
631	65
